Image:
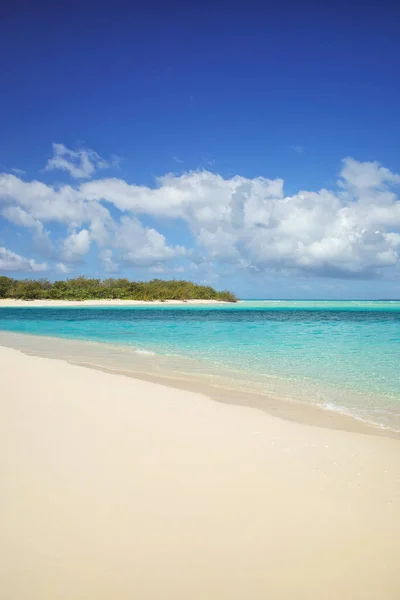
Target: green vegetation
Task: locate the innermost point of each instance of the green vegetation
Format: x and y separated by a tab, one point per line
83	288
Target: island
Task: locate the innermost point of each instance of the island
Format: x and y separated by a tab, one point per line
84	288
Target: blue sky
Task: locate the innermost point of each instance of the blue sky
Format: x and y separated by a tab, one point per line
254	148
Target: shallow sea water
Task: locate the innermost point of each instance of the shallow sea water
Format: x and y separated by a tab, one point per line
343	356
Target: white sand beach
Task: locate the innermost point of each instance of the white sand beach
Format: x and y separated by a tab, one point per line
116	488
9	302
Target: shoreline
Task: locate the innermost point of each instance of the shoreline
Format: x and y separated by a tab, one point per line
155	368
10	303
116	487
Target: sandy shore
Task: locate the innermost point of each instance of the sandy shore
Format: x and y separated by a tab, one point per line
8	302
118	488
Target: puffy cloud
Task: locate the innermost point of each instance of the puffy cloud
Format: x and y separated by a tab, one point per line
18	216
250	221
162	269
109	264
196	197
76	245
10	261
352	231
366	175
143	246
43	202
63	268
80	164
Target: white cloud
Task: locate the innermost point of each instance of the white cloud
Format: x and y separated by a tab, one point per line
80	164
76	245
251	221
63	268
19	216
10	261
194	196
109	264
352	231
162	269
143	246
44	202
361	176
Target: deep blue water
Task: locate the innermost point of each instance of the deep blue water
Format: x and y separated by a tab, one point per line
345	355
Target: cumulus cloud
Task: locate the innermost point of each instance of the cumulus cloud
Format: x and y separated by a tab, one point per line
80	164
361	176
143	246
350	231
165	270
10	261
63	268
76	245
109	264
251	221
43	202
20	217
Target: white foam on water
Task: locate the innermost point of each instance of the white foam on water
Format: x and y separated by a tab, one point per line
147	352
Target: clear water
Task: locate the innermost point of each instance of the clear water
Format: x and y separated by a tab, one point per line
342	355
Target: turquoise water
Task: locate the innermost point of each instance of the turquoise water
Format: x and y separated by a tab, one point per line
342	355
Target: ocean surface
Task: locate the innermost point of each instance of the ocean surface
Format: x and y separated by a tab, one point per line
343	356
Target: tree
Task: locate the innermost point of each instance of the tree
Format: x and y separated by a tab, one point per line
28	289
83	288
6	283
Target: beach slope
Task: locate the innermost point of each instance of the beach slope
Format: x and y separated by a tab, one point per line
118	488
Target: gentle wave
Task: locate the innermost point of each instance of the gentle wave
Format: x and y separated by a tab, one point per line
145	352
344	358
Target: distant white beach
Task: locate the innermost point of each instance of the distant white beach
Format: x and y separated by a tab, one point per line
8	302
